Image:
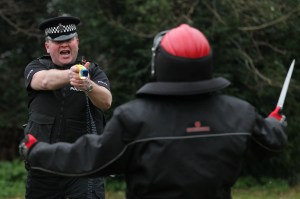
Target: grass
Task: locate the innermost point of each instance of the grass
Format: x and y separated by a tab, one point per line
13	176
248	188
12	179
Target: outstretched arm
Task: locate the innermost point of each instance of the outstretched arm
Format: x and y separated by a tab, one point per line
50	79
90	155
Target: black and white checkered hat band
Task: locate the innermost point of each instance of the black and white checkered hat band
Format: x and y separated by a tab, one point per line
69	28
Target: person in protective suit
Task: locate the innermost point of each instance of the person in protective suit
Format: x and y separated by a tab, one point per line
66	99
178	139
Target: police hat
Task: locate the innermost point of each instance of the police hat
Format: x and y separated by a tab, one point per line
60	28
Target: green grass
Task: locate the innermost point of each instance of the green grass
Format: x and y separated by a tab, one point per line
13	176
12	179
248	188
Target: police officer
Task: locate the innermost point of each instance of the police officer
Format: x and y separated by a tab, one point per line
64	104
179	138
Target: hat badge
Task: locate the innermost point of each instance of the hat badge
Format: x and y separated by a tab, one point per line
60	28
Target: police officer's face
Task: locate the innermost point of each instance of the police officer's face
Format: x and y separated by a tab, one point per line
63	52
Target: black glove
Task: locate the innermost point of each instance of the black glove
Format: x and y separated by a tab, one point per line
278	115
26	144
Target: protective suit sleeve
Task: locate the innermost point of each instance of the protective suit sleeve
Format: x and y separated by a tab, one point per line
90	155
268	137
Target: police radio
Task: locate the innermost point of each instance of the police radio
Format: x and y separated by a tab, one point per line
83	71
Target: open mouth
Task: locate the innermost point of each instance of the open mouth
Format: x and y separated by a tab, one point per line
64	52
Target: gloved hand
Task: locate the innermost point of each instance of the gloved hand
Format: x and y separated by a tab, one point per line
26	144
278	115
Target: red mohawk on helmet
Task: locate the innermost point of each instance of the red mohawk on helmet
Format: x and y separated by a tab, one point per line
180	42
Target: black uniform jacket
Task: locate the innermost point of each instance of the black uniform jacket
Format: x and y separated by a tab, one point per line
169	147
62	114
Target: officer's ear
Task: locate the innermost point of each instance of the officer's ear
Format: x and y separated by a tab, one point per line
47	45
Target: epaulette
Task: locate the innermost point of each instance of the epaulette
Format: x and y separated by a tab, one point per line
46	60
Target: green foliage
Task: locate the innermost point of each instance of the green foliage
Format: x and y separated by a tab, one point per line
270	188
12	178
269	183
13	175
13	99
115	184
18	44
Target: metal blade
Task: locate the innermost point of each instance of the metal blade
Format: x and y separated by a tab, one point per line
285	86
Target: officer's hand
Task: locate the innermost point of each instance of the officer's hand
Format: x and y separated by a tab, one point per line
76	79
278	115
26	145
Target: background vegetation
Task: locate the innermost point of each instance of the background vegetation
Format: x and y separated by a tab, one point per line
254	43
13	175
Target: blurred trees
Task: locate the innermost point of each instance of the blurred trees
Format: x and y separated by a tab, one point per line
254	43
18	43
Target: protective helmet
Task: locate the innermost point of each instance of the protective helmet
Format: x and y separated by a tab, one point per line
182	64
